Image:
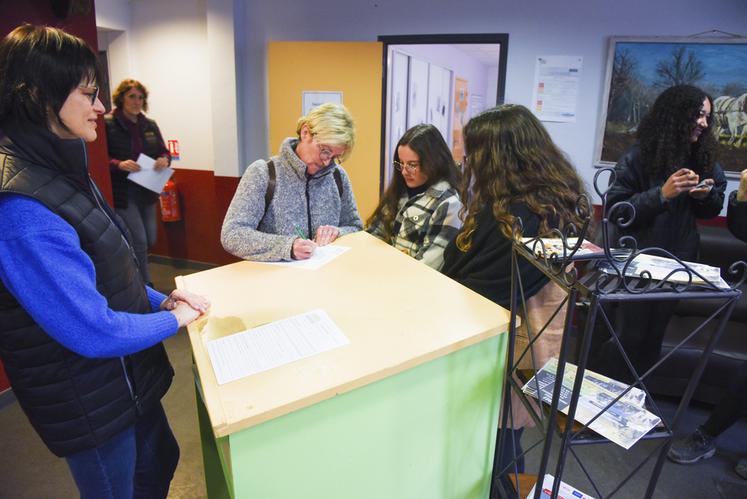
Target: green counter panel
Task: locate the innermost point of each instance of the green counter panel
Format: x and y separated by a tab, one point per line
428	432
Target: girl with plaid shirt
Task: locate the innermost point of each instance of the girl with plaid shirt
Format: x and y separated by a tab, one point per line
419	211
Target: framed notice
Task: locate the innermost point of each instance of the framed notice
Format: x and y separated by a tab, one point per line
314	99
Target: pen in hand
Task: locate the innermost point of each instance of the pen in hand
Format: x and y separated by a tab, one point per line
302	248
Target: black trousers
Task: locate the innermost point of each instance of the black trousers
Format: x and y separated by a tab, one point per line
640	328
731	407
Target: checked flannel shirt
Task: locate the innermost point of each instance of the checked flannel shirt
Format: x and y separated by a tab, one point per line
425	224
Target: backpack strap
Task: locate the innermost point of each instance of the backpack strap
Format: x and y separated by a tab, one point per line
270	193
338	180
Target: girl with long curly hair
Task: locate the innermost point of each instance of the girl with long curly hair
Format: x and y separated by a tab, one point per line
513	170
419	211
660	177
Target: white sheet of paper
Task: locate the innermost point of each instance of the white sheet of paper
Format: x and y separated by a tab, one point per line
321	257
148	176
274	344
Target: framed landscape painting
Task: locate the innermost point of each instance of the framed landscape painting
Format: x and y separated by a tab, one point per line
639	69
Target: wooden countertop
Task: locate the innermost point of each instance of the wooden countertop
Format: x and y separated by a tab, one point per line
396	312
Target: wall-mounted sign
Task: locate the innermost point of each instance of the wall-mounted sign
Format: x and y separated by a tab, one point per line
173	146
556	83
314	99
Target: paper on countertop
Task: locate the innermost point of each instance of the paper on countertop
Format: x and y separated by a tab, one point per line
148	176
322	256
273	345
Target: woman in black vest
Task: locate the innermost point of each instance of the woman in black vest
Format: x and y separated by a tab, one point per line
129	133
80	332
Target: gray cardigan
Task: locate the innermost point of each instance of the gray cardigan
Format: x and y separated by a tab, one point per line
300	203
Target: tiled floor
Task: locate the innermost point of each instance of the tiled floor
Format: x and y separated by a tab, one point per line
28	470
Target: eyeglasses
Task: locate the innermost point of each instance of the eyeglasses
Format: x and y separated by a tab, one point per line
411	166
93	95
325	153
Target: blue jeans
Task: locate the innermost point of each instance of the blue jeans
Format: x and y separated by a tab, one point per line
139	462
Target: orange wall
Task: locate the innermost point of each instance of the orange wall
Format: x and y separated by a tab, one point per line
354	68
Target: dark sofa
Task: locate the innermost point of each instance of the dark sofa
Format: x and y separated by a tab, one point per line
718	247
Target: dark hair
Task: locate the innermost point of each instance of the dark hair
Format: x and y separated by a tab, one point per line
664	134
39	67
511	159
124	87
435	162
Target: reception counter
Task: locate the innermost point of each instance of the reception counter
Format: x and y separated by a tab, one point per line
407	409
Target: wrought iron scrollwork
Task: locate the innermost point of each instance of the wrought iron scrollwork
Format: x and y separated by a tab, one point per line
620	256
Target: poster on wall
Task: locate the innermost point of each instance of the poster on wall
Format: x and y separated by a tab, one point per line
639	69
461	117
556	81
313	99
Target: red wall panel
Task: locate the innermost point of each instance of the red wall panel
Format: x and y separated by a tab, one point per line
204	199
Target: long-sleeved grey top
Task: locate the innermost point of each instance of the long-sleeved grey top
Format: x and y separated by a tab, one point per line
301	203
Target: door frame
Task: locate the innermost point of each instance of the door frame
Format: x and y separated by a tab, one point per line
441	39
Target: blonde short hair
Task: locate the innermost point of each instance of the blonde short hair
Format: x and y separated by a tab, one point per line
331	124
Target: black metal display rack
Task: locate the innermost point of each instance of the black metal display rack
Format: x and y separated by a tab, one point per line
591	289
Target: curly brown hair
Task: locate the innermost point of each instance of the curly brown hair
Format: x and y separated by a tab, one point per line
435	162
512	159
124	87
664	134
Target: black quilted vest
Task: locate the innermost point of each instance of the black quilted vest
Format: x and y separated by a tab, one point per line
119	143
75	403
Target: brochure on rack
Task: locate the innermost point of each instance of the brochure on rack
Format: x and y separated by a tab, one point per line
548	246
660	267
623	423
565	491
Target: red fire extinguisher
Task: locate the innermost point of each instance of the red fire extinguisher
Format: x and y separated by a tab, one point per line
169	199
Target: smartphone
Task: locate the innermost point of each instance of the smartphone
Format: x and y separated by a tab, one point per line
701	185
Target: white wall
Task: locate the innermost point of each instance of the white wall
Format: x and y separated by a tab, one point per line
540	27
113	14
113	21
170	56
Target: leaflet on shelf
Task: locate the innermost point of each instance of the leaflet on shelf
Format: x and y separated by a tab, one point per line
562	248
661	267
623	423
565	491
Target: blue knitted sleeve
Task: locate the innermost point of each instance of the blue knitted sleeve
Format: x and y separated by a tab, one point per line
43	266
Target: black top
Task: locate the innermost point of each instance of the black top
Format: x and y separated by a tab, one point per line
737	217
486	267
74	402
665	224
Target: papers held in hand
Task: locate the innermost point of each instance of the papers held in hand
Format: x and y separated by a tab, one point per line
148	176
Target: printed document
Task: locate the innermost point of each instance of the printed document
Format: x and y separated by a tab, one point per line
322	256
623	422
274	344
148	176
564	491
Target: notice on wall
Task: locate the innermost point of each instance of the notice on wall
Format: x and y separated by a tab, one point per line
313	99
556	82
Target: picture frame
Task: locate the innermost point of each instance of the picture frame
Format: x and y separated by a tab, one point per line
639	68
